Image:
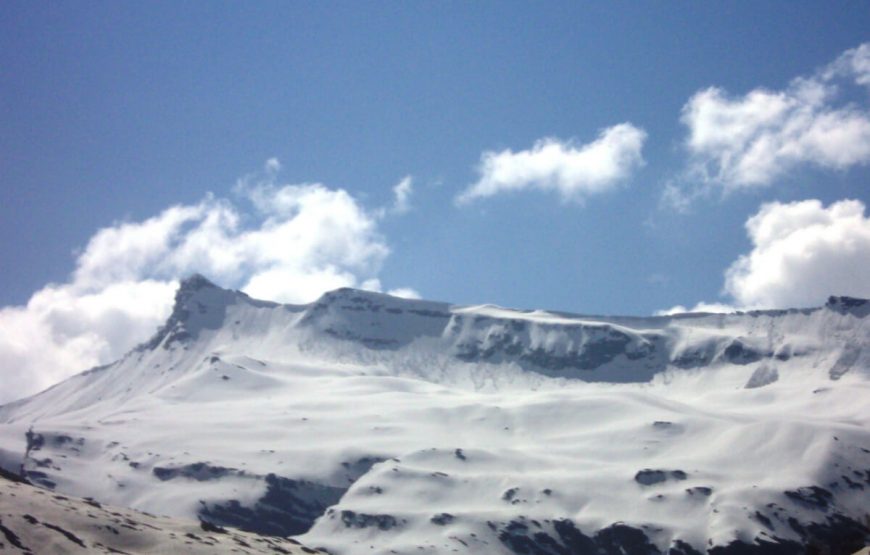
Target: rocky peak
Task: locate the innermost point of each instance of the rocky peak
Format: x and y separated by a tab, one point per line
194	283
199	303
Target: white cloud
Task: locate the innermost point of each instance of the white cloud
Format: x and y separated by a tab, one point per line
404	292
552	165
748	141
854	62
401	204
64	329
273	165
402	193
286	243
717	308
802	252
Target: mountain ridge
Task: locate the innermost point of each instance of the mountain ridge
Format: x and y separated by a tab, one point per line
417	424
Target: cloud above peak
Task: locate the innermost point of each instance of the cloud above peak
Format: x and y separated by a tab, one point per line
802	252
287	243
573	171
740	142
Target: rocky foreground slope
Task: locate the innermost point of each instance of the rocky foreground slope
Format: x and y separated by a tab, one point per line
366	423
38	522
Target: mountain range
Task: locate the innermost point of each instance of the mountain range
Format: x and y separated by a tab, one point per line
365	423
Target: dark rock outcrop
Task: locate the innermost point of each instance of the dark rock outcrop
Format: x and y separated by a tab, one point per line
288	508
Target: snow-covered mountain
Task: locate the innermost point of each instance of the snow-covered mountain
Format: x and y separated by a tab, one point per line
371	424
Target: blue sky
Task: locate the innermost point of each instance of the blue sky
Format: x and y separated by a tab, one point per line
111	112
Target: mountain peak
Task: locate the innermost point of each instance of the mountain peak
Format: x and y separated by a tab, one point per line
194	286
199	304
195	282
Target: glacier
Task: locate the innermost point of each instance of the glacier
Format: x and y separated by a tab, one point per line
368	423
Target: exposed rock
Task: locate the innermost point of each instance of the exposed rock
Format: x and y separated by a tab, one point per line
442	519
813	496
844	362
762	376
288	508
701	491
201	472
648	476
353	519
740	353
563	537
849	305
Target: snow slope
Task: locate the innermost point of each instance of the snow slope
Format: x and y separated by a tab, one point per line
368	423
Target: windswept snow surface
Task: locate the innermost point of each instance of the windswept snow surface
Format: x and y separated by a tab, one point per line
368	423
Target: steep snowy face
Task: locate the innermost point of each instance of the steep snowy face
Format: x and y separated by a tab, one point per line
414	426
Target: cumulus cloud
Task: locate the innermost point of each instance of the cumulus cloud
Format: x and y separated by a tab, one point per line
738	142
573	171
68	328
287	243
802	252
